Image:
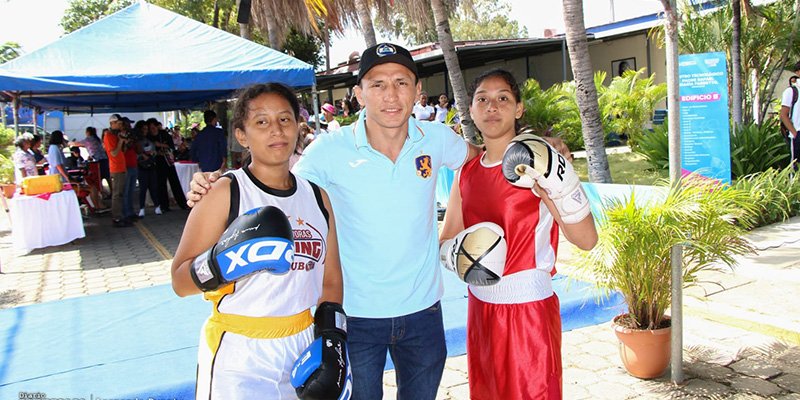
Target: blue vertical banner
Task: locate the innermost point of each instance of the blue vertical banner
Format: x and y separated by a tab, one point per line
705	127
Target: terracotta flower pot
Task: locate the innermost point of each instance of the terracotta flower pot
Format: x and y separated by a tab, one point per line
9	189
645	353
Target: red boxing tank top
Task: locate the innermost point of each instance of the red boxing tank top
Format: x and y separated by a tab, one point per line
531	232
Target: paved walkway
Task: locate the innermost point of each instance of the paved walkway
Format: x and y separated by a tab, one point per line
741	337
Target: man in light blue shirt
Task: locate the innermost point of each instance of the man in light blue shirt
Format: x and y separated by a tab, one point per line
381	173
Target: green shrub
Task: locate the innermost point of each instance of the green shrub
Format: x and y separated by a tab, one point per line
757	148
775	193
6	141
654	146
344	121
628	103
6	170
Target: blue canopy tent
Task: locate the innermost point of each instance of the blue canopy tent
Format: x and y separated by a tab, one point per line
145	58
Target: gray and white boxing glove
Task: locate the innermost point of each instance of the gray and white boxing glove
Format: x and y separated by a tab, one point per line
529	159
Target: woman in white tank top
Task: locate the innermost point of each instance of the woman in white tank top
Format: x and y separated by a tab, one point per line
261	322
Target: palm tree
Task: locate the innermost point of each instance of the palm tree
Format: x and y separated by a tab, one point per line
277	18
441	17
586	92
736	62
365	19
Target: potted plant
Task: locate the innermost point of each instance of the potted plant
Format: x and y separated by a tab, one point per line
632	256
7	176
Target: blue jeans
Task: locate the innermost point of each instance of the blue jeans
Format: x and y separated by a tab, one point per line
417	347
127	196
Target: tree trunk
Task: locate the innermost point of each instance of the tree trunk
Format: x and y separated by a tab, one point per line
453	68
244	29
736	63
777	76
215	23
586	92
365	18
673	101
272	31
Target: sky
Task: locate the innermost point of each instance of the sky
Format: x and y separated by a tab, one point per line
35	23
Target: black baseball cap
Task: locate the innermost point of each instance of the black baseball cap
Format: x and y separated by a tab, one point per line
383	53
796	67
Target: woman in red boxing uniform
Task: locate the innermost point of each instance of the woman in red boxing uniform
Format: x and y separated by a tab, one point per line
514	326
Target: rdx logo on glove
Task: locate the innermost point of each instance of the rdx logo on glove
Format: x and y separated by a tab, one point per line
251	255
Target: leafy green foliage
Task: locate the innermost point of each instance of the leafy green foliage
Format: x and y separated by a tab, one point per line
632	255
775	193
6	149
628	103
80	13
304	47
489	21
757	148
654	146
344	121
9	51
766	36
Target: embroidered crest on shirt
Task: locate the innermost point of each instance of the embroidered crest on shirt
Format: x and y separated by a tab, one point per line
423	165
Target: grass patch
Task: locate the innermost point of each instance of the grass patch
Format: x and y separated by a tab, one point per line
626	168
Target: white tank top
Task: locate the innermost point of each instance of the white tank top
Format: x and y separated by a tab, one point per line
264	294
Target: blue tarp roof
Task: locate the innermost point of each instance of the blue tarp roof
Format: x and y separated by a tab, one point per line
145	58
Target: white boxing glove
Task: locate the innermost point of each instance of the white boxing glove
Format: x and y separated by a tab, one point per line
530	159
477	254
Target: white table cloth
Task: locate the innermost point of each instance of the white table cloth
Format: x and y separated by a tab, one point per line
38	223
185	171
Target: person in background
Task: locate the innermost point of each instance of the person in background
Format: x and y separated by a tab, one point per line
176	136
55	156
146	164
24	162
165	166
94	145
209	147
347	108
790	115
115	148
422	110
183	153
330	116
355	106
83	182
132	150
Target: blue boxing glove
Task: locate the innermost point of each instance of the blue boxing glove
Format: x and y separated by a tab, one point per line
258	240
323	369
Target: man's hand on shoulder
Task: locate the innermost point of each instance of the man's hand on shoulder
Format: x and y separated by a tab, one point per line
200	185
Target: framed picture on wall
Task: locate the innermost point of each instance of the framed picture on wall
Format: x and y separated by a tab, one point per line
622	65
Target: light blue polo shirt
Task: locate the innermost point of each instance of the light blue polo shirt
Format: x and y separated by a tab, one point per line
385	216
